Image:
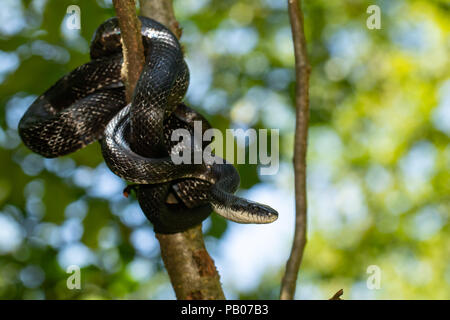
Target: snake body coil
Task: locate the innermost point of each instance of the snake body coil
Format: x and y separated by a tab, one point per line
89	104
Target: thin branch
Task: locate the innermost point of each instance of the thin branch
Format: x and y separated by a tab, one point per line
133	49
337	295
302	70
191	270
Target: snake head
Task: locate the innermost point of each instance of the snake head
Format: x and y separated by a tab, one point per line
246	211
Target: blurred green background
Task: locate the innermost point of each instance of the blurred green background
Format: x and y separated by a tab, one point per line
378	158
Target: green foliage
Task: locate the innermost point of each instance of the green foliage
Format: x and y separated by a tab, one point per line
378	159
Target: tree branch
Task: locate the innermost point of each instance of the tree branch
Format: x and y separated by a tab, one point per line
191	270
337	295
162	11
132	47
302	70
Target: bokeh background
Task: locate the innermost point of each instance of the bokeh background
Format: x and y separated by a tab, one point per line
378	159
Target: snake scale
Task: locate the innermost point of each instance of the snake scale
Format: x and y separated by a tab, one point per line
88	104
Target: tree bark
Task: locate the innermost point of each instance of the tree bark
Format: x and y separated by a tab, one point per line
191	270
161	11
302	70
133	49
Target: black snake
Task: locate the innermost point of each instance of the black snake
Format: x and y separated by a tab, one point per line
88	104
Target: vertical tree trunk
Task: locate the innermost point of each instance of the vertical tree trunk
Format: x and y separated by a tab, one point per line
191	270
133	50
